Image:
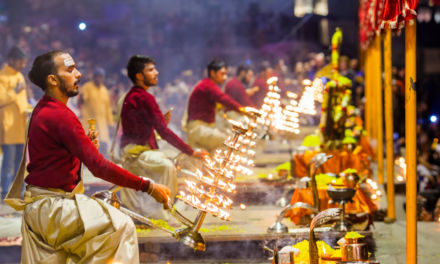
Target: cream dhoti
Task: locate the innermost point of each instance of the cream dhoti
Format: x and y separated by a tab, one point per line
159	169
60	227
205	136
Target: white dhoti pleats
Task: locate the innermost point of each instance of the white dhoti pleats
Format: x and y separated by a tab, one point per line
69	227
205	136
157	167
76	229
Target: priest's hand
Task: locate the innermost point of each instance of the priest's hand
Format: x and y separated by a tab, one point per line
167	116
94	138
200	154
160	193
252	91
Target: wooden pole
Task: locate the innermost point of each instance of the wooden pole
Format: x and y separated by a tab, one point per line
367	91
389	129
411	145
378	106
373	89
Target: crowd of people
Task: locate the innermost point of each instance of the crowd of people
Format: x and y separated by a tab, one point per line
103	67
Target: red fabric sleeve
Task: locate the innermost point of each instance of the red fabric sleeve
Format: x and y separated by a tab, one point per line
246	100
153	113
223	99
72	135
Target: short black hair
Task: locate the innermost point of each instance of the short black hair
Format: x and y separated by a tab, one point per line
244	68
136	64
43	66
215	65
18	53
264	65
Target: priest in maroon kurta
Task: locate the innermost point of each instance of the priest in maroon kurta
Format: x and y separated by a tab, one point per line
200	126
55	210
140	118
235	86
265	72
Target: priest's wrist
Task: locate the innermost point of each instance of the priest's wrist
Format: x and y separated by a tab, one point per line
150	188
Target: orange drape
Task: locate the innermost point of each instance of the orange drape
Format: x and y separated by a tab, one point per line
340	161
361	203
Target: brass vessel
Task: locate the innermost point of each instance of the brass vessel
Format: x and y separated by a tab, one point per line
354	250
350	180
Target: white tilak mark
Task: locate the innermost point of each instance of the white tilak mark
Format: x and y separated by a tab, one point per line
69	62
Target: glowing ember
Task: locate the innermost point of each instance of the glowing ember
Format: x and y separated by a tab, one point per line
248	109
235	123
242	206
272	80
291	95
306	82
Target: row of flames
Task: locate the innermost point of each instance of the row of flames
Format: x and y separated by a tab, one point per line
220	171
273	113
313	91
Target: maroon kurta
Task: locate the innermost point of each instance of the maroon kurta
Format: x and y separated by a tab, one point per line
140	116
201	104
57	146
258	97
236	90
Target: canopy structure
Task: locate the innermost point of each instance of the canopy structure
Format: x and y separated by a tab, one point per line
384	17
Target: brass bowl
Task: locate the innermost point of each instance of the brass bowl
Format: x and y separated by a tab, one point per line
343	194
350	180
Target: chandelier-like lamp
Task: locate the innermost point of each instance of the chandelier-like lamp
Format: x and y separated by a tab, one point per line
219	178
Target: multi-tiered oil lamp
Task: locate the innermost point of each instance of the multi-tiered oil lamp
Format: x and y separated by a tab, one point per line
248	144
218	177
312	92
273	113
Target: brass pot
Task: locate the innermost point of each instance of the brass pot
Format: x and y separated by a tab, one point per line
350	180
354	250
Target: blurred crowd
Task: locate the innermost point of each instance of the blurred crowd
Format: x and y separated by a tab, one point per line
174	40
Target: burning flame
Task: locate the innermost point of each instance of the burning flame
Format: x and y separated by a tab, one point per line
248	109
323	250
235	123
242	206
291	95
306	82
272	80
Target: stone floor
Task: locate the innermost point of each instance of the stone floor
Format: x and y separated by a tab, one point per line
390	238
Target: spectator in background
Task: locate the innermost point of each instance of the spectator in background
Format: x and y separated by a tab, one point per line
264	73
95	101
354	65
13	106
299	74
317	63
235	87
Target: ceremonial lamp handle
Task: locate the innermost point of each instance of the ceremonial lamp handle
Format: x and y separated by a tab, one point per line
201	215
92	128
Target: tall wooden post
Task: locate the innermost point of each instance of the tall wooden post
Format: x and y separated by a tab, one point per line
378	105
367	93
389	129
411	146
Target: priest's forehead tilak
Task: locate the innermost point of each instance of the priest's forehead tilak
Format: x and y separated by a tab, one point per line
69	62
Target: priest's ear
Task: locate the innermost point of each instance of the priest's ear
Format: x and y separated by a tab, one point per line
52	80
139	76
